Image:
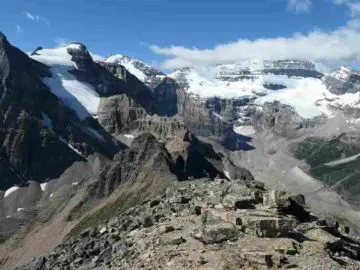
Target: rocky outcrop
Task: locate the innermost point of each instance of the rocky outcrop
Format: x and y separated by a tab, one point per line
189	227
145	159
121	115
282	119
194	159
166	97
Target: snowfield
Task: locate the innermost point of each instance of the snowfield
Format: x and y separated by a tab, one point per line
308	96
79	96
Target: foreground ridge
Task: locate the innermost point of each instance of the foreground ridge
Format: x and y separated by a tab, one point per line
211	225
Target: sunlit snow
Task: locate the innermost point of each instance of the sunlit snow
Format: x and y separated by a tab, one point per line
128	63
10	190
308	96
80	96
244	130
43	186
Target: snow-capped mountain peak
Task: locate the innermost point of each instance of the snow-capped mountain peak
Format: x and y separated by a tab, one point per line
141	70
80	96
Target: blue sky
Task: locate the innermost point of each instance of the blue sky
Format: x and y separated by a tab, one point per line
176	27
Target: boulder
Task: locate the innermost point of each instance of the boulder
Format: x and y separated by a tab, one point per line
269	226
215	230
233	202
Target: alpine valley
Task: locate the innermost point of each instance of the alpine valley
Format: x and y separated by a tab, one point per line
113	164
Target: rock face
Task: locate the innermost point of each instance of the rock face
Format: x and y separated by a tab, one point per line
281	119
343	81
189	228
36	127
147	158
120	114
291	68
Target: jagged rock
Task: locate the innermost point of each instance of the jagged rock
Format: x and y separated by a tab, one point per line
237	173
267	226
297	208
232	202
215	230
194	159
282	119
276	199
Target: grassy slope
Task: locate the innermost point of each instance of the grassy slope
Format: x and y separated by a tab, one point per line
317	152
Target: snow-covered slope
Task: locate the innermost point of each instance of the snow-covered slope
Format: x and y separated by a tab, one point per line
142	71
295	83
80	96
343	80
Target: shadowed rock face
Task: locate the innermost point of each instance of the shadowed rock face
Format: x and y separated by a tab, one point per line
147	158
32	147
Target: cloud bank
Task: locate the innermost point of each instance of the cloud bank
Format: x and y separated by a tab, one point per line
341	46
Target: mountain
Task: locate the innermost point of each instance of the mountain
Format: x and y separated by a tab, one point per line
90	149
343	81
144	72
39	119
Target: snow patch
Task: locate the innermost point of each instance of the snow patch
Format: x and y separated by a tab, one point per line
227	174
20	209
10	190
74	46
68	144
244	130
51	195
129	136
43	186
75	184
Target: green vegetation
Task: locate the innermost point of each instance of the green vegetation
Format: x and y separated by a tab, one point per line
318	151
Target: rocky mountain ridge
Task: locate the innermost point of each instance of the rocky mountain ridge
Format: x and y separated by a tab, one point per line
211	225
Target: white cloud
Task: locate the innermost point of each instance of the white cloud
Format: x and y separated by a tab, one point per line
299	6
18	29
37	18
340	46
61	42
